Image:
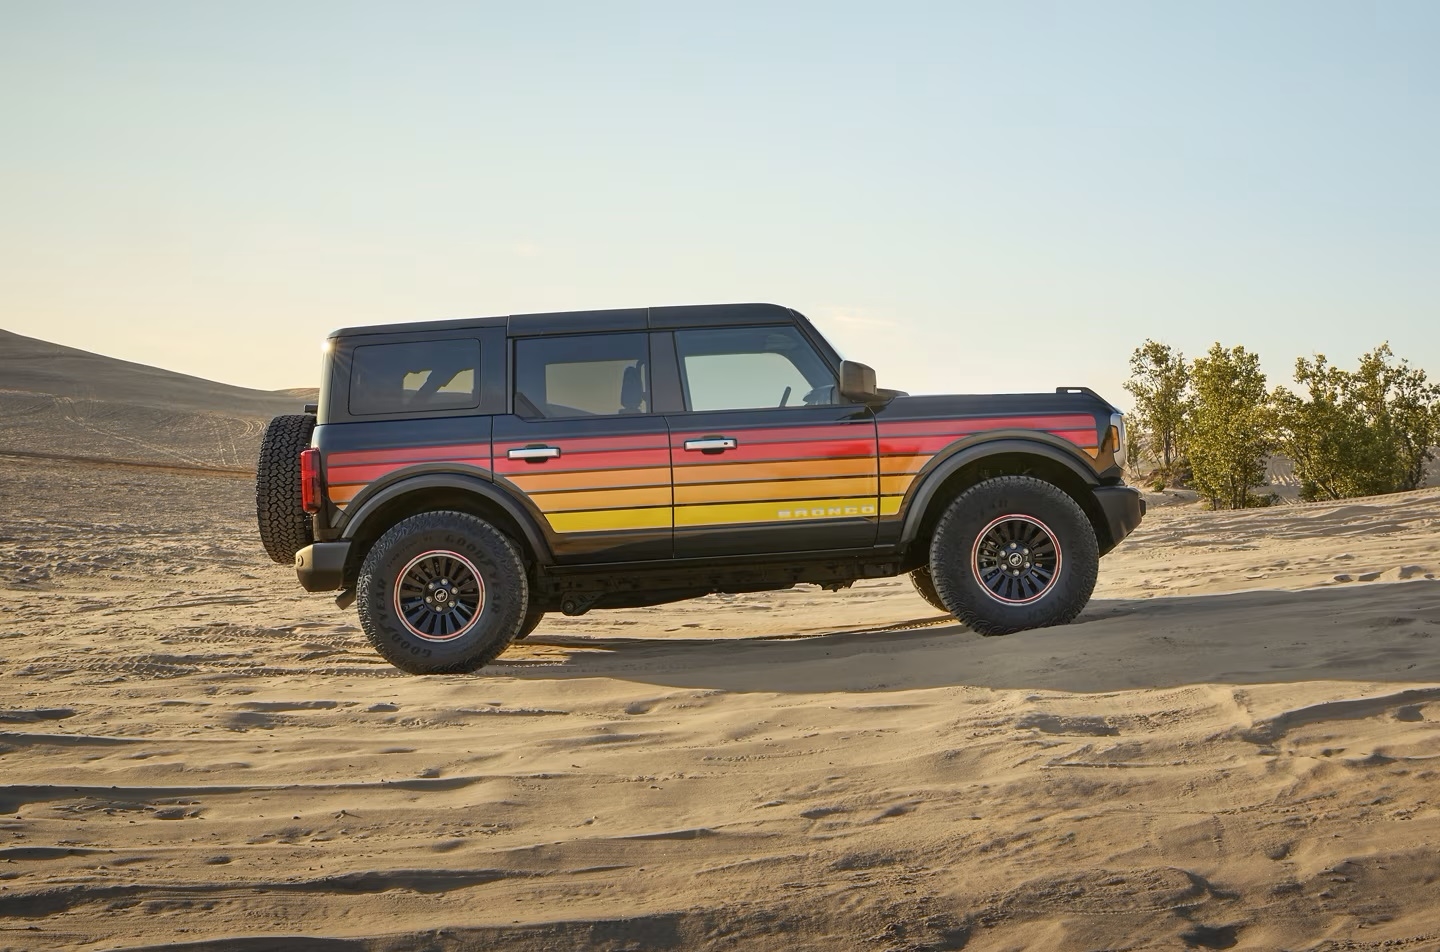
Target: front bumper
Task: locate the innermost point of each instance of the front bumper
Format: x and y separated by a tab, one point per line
1123	507
321	566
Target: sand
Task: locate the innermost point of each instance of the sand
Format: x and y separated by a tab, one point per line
1231	748
1234	746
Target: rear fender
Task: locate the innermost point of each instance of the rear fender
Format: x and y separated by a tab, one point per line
382	495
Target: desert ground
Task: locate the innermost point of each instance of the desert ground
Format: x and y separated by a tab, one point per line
1233	747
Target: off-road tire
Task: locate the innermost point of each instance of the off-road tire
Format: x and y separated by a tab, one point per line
503	601
956	553
285	527
925	585
533	616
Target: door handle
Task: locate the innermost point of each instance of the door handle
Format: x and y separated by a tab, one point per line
534	454
711	444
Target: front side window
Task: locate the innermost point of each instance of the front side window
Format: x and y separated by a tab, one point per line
585	375
415	377
748	368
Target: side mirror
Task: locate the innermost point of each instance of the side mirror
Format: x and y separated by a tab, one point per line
857	382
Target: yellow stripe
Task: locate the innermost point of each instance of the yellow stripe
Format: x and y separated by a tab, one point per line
788	489
890	505
895	485
602	499
750	512
604	520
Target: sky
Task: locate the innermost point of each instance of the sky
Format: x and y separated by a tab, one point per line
970	197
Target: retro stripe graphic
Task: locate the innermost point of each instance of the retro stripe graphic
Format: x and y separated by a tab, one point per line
907	446
348	472
598	484
775	474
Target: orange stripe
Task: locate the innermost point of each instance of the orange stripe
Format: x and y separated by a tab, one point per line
603	499
594	479
786	469
891	465
895	485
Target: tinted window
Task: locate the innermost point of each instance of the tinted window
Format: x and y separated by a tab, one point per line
590	375
743	368
415	377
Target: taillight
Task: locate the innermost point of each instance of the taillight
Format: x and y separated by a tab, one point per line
310	489
1117	438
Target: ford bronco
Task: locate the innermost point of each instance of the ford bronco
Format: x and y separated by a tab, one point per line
459	479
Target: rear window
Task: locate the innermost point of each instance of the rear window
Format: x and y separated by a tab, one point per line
592	375
415	377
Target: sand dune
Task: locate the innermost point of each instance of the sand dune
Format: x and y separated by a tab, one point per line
1231	748
37	366
67	402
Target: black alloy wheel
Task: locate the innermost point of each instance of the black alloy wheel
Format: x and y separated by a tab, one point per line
439	595
1017	558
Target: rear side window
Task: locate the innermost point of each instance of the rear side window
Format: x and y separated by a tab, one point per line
587	375
415	377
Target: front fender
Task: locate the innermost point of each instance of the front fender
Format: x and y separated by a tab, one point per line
423	478
975	448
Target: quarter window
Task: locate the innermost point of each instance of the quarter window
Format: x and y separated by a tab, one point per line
586	375
415	377
745	368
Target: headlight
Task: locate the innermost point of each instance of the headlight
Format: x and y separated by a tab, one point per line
1117	438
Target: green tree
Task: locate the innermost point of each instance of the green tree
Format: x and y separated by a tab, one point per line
1362	433
1160	383
1404	408
1335	451
1229	433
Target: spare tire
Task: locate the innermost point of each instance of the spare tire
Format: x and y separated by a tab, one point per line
285	526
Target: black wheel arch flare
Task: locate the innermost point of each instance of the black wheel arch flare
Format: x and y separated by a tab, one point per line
384	500
936	484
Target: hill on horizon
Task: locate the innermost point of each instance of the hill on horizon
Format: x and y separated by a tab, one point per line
36	366
64	402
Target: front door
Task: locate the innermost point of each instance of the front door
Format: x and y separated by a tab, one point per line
767	457
585	447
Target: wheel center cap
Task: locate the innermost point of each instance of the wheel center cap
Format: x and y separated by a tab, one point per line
1016	559
441	595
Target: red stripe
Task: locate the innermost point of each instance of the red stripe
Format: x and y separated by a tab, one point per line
920	445
584	462
359	475
1084	437
964	425
418	454
768	452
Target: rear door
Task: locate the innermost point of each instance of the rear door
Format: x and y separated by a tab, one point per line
767	456
585	447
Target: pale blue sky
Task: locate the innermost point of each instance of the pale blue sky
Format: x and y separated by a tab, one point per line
1002	196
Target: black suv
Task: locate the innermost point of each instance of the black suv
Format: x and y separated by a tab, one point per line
459	479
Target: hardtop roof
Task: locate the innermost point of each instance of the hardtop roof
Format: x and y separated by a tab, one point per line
618	319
